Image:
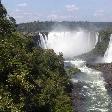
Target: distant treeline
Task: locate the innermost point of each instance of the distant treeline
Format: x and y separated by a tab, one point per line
60	26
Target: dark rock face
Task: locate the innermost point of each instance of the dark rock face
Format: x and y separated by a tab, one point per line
106	68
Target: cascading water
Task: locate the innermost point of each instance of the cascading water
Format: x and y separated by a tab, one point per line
91	89
43	43
90	92
108	53
71	43
97	38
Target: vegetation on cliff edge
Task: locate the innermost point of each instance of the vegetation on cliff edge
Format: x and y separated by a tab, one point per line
31	79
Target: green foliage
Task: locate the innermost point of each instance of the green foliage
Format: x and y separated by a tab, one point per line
72	70
104	37
6	25
59	26
3	11
31	79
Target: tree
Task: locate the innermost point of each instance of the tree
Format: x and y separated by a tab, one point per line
6	26
31	79
3	11
12	20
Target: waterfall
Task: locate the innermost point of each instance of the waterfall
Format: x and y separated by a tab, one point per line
90	85
108	53
97	38
43	40
71	43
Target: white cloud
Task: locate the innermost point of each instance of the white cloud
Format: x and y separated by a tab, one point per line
22	15
99	13
22	4
71	8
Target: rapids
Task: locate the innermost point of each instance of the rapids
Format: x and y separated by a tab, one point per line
89	92
92	96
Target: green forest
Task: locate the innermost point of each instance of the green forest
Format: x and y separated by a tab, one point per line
48	26
31	79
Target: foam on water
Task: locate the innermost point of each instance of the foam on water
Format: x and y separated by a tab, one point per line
93	90
93	85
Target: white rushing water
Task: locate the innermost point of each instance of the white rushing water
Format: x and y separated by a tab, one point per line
93	89
71	43
43	43
108	53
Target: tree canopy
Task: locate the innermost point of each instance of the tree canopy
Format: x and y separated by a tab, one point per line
31	79
6	26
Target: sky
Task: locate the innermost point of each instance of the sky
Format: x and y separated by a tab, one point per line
59	10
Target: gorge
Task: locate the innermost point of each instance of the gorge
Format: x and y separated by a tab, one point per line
89	93
52	65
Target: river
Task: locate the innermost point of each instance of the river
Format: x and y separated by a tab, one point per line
89	92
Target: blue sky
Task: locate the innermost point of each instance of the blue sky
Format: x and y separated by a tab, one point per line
60	10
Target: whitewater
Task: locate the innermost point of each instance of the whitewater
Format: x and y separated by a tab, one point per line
108	53
70	43
91	88
90	82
